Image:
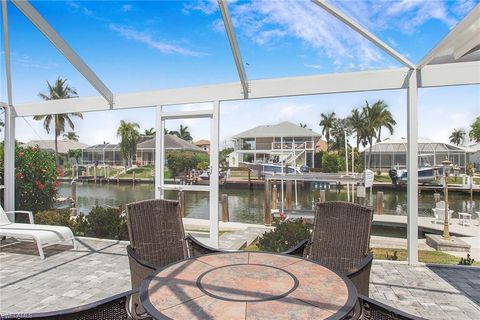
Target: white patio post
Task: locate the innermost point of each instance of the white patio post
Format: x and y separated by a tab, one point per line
9	144
159	152
214	158
412	169
9	170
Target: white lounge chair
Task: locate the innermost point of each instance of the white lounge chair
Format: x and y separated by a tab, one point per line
43	235
439	213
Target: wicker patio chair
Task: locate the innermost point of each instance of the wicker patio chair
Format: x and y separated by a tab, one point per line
374	310
113	308
157	238
340	240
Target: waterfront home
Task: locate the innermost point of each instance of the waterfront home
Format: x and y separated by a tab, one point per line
475	155
284	142
63	146
108	153
393	152
204	144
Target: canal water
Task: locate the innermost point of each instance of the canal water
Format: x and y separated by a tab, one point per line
247	205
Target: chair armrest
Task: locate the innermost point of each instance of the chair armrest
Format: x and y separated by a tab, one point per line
298	249
365	262
12	214
360	275
196	248
144	263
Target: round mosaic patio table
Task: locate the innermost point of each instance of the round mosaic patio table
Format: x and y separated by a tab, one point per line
247	285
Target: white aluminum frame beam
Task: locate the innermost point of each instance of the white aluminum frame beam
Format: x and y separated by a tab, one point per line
449	74
227	21
364	32
34	16
412	169
455	35
9	144
388	79
212	188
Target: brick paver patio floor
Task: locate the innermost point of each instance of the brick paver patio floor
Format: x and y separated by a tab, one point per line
99	268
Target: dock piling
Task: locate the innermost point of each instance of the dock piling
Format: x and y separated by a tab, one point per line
322	196
288	195
379	202
225	212
267	219
74	191
274	197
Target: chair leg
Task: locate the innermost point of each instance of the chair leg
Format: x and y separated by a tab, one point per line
40	249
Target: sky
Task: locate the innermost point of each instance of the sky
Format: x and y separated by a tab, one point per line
140	46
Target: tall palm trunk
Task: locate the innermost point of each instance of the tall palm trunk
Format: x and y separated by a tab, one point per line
379	134
370	153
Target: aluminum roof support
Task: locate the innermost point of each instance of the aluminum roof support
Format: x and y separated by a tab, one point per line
9	145
412	169
460	40
34	16
364	32
389	79
234	45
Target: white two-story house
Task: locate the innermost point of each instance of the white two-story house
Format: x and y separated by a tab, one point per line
284	143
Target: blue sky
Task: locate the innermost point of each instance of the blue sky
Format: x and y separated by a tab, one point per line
140	46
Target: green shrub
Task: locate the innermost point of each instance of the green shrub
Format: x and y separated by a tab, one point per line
55	218
285	235
101	222
330	163
468	261
180	161
35	178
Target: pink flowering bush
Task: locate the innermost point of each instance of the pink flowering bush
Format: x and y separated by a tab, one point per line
35	178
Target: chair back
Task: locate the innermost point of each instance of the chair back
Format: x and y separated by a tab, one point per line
341	235
155	228
3	217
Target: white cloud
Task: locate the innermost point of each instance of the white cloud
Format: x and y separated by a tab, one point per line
127	7
148	39
313	66
26	61
207	7
266	22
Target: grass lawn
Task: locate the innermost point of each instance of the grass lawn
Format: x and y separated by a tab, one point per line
423	256
382	178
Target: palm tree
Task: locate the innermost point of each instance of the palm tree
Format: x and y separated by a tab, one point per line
60	90
149	132
340	127
303	125
128	132
327	122
457	137
71	135
183	133
357	123
370	125
384	118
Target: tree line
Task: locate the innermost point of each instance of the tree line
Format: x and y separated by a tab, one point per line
364	123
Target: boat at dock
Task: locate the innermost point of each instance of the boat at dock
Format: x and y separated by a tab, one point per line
273	168
427	174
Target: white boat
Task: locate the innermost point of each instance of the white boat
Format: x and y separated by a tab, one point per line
272	168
